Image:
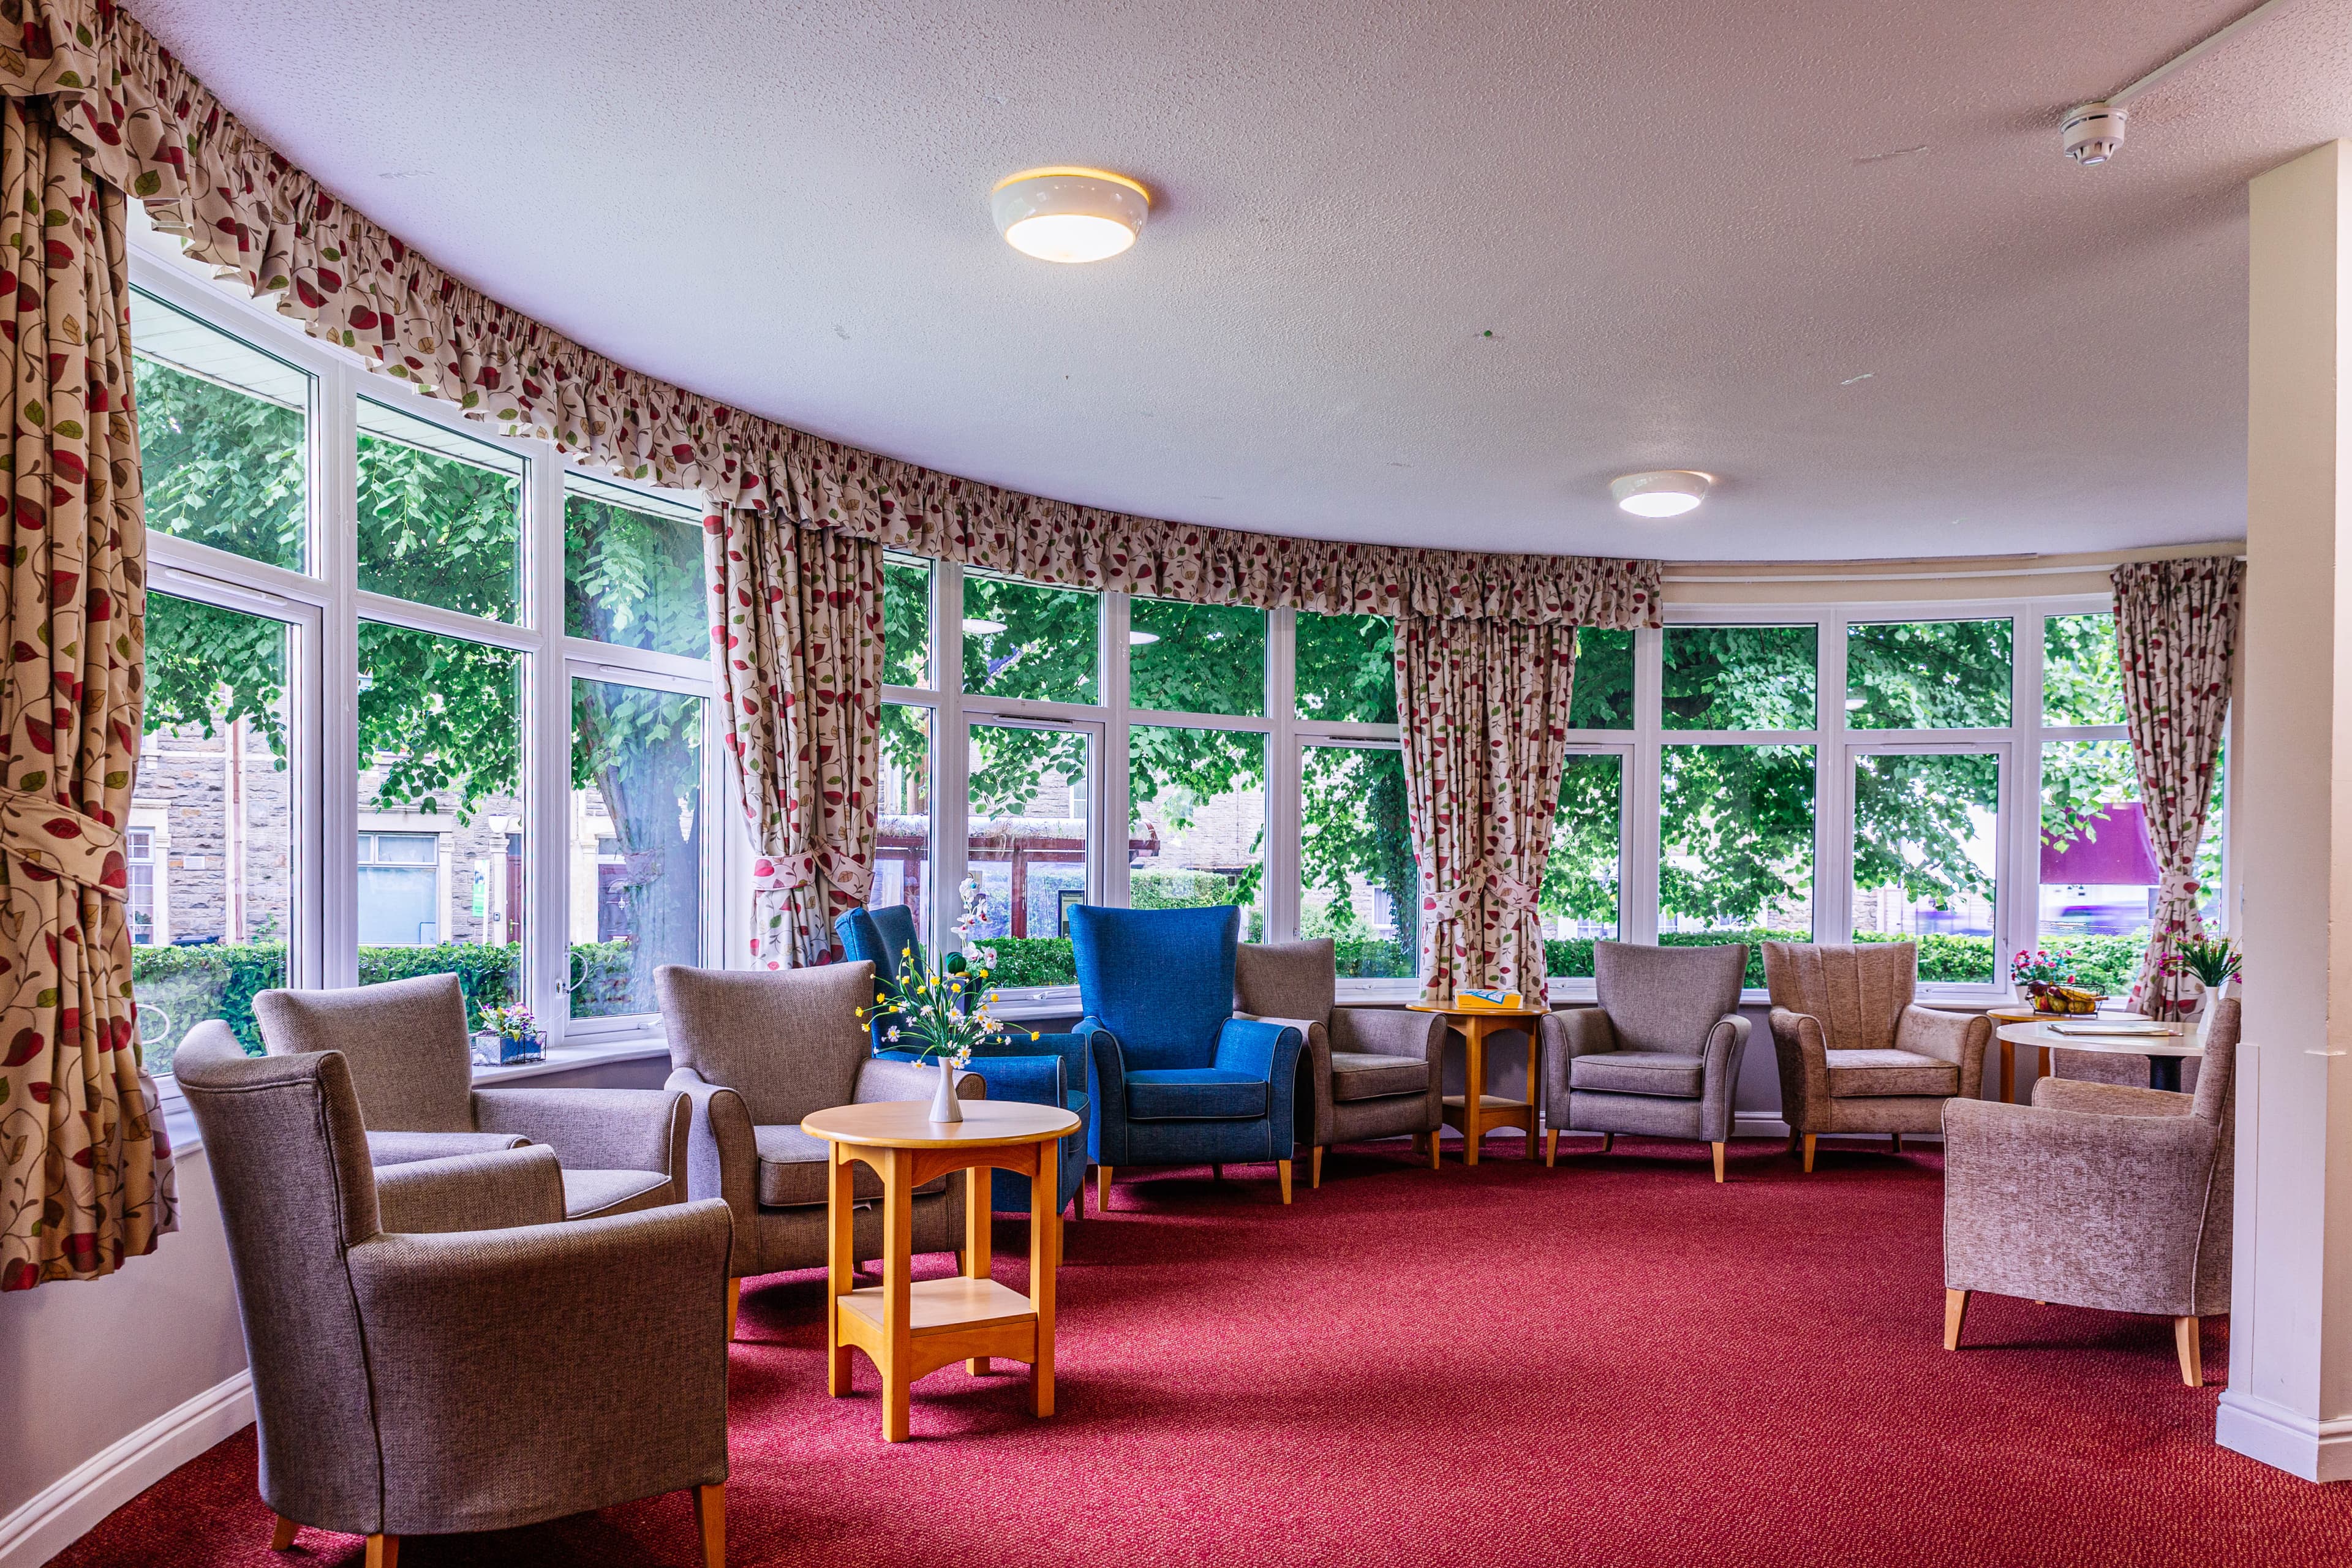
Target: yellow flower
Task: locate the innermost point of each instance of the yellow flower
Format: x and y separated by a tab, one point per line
1032	1033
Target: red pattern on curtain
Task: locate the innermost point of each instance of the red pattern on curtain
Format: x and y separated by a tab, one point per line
1484	707
84	1171
799	631
2176	630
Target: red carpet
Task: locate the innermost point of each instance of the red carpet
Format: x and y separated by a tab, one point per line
1614	1362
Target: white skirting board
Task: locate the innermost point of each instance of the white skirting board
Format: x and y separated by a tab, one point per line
2296	1442
71	1505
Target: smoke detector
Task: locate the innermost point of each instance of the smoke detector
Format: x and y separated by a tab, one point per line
2093	131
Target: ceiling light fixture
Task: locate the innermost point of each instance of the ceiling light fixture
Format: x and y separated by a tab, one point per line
1660	493
979	628
1066	214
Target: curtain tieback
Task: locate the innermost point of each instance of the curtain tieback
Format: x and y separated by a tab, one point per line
52	842
790	873
1516	897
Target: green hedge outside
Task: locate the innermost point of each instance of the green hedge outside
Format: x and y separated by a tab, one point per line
187	985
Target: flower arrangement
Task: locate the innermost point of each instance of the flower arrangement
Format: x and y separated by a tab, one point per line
2213	960
518	1032
2048	978
937	1018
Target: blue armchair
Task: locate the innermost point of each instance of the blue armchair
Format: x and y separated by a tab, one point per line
1175	1078
1048	1070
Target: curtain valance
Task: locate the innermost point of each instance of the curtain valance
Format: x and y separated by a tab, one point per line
239	207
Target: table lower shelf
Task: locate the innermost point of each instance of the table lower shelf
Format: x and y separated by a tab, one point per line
1487	1103
942	1306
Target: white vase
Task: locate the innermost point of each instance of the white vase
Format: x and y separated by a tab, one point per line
945	1106
2214	996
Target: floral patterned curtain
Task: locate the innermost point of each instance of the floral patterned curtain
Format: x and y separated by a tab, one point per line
1484	705
2177	626
799	630
84	1171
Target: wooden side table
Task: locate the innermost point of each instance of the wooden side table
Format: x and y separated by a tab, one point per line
1475	1112
2002	1017
912	1327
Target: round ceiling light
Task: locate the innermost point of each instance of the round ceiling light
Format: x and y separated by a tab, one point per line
1062	214
1660	493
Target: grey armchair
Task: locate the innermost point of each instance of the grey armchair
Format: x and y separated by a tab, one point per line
754	1051
435	1347
405	1045
1659	1055
1374	1070
2098	1195
1855	1055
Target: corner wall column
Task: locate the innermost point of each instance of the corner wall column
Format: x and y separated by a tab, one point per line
2289	1402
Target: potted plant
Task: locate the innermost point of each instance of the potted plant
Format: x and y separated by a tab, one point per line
2214	961
518	1032
938	1017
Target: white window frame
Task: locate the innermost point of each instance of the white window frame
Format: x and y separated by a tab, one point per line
325	606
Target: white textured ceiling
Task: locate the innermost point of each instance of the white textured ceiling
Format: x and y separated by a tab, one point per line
1829	251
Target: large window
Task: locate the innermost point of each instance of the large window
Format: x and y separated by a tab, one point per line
421	700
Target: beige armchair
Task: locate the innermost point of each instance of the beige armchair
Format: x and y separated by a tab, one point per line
1855	1055
405	1045
1374	1070
2098	1195
434	1348
756	1050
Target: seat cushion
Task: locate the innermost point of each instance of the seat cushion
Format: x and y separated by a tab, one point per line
1858	1075
1367	1075
793	1168
1639	1072
593	1194
1195	1094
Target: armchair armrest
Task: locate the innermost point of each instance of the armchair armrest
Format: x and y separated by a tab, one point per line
625	1314
1106	1093
399	1148
2091	1210
1389	1032
722	1158
1563	1037
494	1191
1270	1050
594	1129
1031	1081
1957	1038
1719	1081
879	1079
1802	1046
2109	1099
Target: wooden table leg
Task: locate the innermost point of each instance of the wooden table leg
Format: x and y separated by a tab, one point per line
979	1239
1535	1101
1045	1249
2007	1070
840	1267
1474	1086
898	1316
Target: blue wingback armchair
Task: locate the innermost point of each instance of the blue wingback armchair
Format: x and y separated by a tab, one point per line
1049	1070
1175	1078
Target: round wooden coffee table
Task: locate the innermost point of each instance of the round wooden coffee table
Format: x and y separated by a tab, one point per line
1475	1112
911	1328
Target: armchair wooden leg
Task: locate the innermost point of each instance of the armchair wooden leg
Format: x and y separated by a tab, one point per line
1315	1168
1956	1311
281	1534
1102	1189
1897	1137
710	1522
383	1552
734	1300
1551	1146
1809	1153
1216	1172
1436	1145
2185	1339
1282	1169
1608	1141
1718	1163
